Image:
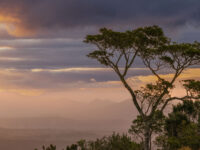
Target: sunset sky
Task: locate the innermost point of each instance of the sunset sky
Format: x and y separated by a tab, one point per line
43	57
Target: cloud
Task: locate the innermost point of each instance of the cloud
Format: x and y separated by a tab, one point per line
44	17
39	81
36	80
47	53
49	33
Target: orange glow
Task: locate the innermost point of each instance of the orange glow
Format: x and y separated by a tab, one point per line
18	31
88	91
8	19
193	73
13	26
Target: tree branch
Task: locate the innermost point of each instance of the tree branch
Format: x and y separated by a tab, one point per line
164	92
127	66
126	85
178	98
147	64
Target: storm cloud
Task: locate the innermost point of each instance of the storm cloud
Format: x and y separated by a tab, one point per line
47	18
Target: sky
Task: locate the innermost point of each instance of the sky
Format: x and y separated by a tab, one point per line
43	57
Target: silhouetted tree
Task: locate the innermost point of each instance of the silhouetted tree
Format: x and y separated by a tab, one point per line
118	50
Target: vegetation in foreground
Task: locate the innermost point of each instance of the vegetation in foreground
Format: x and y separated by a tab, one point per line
113	142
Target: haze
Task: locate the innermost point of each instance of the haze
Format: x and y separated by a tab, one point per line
50	91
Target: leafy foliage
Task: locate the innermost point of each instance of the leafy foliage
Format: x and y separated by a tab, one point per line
182	127
192	88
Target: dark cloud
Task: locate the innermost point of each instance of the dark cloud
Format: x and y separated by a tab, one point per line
47	53
45	16
61	25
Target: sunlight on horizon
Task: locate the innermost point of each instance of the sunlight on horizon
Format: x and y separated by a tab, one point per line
31	83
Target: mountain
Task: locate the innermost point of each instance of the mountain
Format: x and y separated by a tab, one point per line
96	114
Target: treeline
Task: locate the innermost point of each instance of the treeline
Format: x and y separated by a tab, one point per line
113	142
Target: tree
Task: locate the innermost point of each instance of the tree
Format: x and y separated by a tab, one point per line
182	127
118	50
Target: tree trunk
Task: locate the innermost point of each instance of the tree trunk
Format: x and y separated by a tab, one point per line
147	140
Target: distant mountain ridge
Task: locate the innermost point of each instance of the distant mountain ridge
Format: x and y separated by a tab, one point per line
94	115
77	121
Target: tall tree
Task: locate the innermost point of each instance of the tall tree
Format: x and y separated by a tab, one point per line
118	50
182	127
